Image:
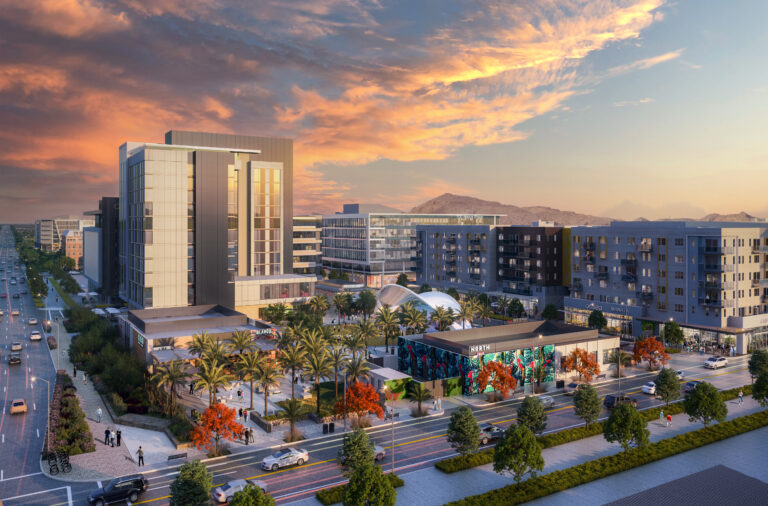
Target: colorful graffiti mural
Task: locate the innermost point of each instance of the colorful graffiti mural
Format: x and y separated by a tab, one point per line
426	362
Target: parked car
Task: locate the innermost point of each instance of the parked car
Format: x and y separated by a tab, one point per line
225	492
680	375
691	386
570	388
378	453
716	362
18	406
14	358
15	312
35	336
547	401
15	346
611	401
118	490
15	295
33	321
649	388
490	432
284	458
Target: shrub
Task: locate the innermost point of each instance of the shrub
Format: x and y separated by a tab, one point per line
335	495
180	427
118	404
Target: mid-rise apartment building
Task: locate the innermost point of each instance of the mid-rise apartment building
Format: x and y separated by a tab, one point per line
100	249
49	232
710	278
307	244
72	246
207	219
375	247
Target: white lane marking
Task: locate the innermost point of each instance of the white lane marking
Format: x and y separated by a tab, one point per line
3	438
35	493
69	496
1	474
22	476
38	433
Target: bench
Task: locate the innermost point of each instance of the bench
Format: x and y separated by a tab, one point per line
388	416
177	456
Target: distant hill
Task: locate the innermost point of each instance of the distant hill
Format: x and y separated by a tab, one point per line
742	216
449	203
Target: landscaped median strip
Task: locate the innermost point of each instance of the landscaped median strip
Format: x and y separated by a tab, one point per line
335	495
461	463
592	470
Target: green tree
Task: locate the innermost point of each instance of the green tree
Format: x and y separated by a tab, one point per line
248	368
415	320
341	303
418	393
388	322
200	343
627	427
463	431
516	308
518	452
673	333
667	385
319	304
758	363
292	411
705	404
425	288
454	293
357	368
337	356
597	320
192	487
318	367
760	389
242	341
503	304
369	486
366	302
212	376
531	414
402	279
366	330
486	313
293	358
466	313
442	317
171	375
620	359
550	312
275	313
251	496
586	404
356	450
268	377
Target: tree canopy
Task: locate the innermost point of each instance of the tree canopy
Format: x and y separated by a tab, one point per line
217	423
402	279
586	404
368	486
760	389
673	333
627	427
758	363
192	486
531	414
499	376
518	452
667	385
357	450
550	312
463	431
652	351
705	404
597	320
582	362
251	496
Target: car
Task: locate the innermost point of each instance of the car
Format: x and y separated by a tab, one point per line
15	295
691	386
570	388
33	321
284	458
1	312
547	401
14	358
225	492
490	432
18	406
35	336
118	490
649	388
16	346
15	312
611	401
23	292
716	362
378	453
680	375
3	295
13	281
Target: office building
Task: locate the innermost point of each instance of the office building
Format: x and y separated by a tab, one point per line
49	232
456	256
373	247
307	244
207	219
72	246
710	278
100	250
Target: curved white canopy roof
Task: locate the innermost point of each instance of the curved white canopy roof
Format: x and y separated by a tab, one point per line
397	295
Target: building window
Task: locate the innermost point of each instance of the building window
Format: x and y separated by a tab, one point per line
679	308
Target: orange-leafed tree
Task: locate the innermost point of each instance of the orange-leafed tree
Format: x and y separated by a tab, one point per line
651	350
360	399
217	423
583	362
499	376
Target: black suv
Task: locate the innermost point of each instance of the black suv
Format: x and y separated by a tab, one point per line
14	358
611	401
489	432
119	489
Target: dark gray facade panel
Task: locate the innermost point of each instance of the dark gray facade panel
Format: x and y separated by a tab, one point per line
110	266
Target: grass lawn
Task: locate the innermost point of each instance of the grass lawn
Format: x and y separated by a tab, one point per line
63	294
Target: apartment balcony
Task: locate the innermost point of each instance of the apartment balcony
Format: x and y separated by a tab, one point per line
755	283
589	246
764	298
645	295
602	275
589	259
717	250
450	240
629	262
719	267
577	286
450	259
645	247
629	278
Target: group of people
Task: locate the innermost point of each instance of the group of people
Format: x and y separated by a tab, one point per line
248	435
112	437
243	414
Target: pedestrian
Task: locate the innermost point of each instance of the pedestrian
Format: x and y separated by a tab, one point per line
98	414
669	420
245	416
140	454
245	436
85	379
106	436
191	388
250	434
119	436
661	415
741	397
240	412
74	371
112	438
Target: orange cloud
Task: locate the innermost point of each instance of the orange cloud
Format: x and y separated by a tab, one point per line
66	18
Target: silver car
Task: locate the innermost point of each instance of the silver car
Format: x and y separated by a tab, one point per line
547	401
284	458
225	492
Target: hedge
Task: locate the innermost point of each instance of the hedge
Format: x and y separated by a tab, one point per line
335	495
461	463
592	470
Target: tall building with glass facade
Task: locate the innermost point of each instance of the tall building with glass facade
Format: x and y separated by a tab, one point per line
206	219
710	278
307	244
49	232
375	247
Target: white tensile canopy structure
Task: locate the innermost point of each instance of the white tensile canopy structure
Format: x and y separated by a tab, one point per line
396	295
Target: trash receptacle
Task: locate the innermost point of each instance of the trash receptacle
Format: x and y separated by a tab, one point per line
325	428
331	427
560	384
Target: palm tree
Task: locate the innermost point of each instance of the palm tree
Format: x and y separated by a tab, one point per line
292	410
313	341
466	313
340	301
212	375
319	305
217	351
248	367
242	341
200	342
486	312
365	330
418	393
366	301
293	358
619	358
318	366
353	343
443	317
268	377
275	313
388	322
504	305
337	355
357	368
171	375
415	320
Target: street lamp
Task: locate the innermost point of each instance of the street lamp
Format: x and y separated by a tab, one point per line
392	415
48	404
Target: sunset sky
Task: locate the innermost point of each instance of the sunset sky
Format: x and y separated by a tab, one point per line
619	108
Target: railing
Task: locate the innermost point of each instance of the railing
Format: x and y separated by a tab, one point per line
755	282
589	246
645	295
590	259
645	247
629	278
629	261
602	275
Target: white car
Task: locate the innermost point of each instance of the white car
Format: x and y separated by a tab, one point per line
547	401
680	375
15	312
35	336
225	492
15	346
716	362
284	458
649	388
33	321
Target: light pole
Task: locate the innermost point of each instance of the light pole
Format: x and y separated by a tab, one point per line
48	404
392	416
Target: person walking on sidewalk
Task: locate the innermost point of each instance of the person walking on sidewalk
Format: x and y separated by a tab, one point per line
98	414
669	420
106	436
74	371
240	412
119	436
140	454
741	397
112	438
661	415
191	388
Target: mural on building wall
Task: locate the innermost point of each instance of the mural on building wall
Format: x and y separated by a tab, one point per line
425	363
